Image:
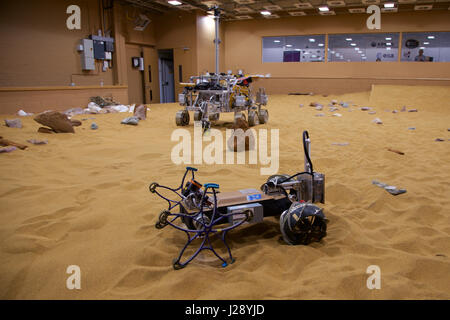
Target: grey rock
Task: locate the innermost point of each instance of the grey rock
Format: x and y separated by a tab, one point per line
403	109
394	111
391	189
7	149
37	142
366	108
74	111
334	102
413	110
318	108
411	128
377	121
141	112
13	123
301	105
342	144
94	126
344	105
131	121
337	115
372	112
439	140
320	115
333	109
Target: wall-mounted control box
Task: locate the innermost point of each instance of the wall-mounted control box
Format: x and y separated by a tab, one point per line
87	55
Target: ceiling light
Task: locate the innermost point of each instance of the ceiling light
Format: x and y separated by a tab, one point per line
422	48
175	3
276	41
312	40
320	44
430	37
353	44
389	5
324	9
388	39
389	44
289	45
388	48
265	13
356	49
426	42
349	39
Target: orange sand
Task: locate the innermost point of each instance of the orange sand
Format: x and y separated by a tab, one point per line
83	199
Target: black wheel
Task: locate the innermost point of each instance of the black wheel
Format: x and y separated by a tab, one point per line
162	220
263	116
303	223
198	115
182	118
176	264
253	119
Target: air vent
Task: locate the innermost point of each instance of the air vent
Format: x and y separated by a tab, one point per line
273	8
327	13
370	1
272	16
297	13
303	5
244	1
406	1
336	3
389	10
243	10
357	10
246	17
423	7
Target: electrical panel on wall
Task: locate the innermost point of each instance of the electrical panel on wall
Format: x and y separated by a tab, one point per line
87	54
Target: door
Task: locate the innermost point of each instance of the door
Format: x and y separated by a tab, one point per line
151	75
167	81
135	76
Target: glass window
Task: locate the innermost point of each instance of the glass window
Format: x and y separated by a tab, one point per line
426	46
294	49
363	47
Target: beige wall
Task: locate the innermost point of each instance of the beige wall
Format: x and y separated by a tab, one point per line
243	50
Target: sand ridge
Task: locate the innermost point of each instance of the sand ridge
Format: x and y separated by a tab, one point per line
83	199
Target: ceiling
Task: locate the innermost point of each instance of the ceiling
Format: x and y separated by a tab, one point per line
250	9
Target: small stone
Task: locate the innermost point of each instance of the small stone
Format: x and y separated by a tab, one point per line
337	115
301	105
141	112
75	123
403	109
411	128
394	111
391	189
344	105
313	104
37	142
333	109
45	130
366	108
343	144
320	115
439	140
413	110
7	149
377	121
318	108
334	102
131	121
14	123
23	113
55	120
94	126
372	112
73	111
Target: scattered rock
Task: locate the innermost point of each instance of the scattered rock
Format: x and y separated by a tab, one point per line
93	108
377	121
120	108
333	109
55	120
394	111
94	126
343	144
6	143
344	104
318	108
334	102
396	151
37	142
23	113
131	121
337	115
103	102
439	140
45	130
320	115
110	110
366	108
7	149
403	109
413	110
141	112
372	112
411	128
14	123
313	104
241	140
301	105
75	123
391	189
74	111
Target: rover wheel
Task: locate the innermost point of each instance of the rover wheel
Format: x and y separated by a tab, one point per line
263	116
214	116
239	115
198	115
182	118
303	223
253	119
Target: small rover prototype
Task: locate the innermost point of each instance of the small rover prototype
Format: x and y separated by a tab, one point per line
203	211
211	94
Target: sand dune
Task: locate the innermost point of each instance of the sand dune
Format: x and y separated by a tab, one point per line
83	200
